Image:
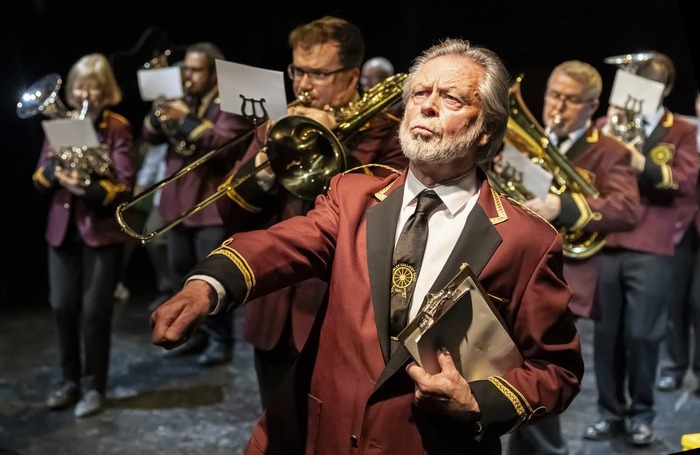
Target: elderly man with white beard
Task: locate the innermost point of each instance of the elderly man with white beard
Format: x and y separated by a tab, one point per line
354	388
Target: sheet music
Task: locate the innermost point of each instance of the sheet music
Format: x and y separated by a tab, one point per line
157	82
238	82
536	179
70	133
628	87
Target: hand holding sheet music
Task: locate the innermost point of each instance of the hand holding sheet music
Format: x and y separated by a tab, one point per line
462	319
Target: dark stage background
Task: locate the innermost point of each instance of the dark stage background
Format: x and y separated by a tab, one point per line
532	37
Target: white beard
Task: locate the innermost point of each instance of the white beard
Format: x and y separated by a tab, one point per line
436	149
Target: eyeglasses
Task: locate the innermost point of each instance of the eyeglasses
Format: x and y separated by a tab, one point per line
316	76
554	96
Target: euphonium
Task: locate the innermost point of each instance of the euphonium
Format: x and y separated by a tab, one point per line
625	123
525	134
43	97
303	154
169	127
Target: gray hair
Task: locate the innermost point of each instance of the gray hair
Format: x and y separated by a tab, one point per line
493	89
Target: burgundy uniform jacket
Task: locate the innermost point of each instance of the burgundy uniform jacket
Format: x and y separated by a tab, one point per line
346	393
606	161
666	184
93	213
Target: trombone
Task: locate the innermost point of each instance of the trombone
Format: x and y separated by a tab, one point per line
303	154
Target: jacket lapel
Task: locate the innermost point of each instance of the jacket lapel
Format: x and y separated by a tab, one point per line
659	132
475	246
592	136
381	224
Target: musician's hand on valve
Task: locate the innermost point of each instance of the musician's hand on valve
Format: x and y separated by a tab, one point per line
70	180
446	392
323	116
171	110
549	209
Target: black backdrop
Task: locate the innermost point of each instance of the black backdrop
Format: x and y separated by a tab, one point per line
532	37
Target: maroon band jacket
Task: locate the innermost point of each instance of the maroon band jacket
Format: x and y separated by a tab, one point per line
93	213
346	393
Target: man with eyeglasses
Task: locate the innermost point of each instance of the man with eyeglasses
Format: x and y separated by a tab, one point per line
571	99
326	57
192	126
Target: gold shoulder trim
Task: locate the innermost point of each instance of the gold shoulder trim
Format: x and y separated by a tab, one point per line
119	117
502	216
381	194
391	116
200	129
668	121
365	168
593	137
240	263
237	198
112	190
585	212
38	176
531	212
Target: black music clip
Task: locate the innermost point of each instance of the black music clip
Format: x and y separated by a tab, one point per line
253	117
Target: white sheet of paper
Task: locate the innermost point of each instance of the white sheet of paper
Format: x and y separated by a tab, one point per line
238	82
70	133
157	82
533	177
629	87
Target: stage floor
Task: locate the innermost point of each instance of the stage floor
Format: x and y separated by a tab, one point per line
159	405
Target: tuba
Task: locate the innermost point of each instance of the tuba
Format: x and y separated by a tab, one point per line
303	154
526	135
43	97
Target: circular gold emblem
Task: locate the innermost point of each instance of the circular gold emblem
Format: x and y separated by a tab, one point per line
661	154
401	278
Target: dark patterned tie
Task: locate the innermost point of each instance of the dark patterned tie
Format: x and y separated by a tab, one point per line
408	256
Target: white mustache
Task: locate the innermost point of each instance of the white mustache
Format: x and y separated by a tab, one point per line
431	125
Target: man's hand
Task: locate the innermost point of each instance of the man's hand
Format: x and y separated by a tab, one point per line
173	110
174	321
324	117
637	159
549	209
70	180
446	392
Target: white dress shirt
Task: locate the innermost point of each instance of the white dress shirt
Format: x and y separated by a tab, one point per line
444	227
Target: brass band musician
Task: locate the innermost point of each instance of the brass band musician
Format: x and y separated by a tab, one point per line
194	126
636	266
571	99
85	243
326	57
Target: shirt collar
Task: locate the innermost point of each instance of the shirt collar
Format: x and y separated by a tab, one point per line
455	195
575	135
652	121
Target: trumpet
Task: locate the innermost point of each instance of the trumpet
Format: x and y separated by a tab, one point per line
303	154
